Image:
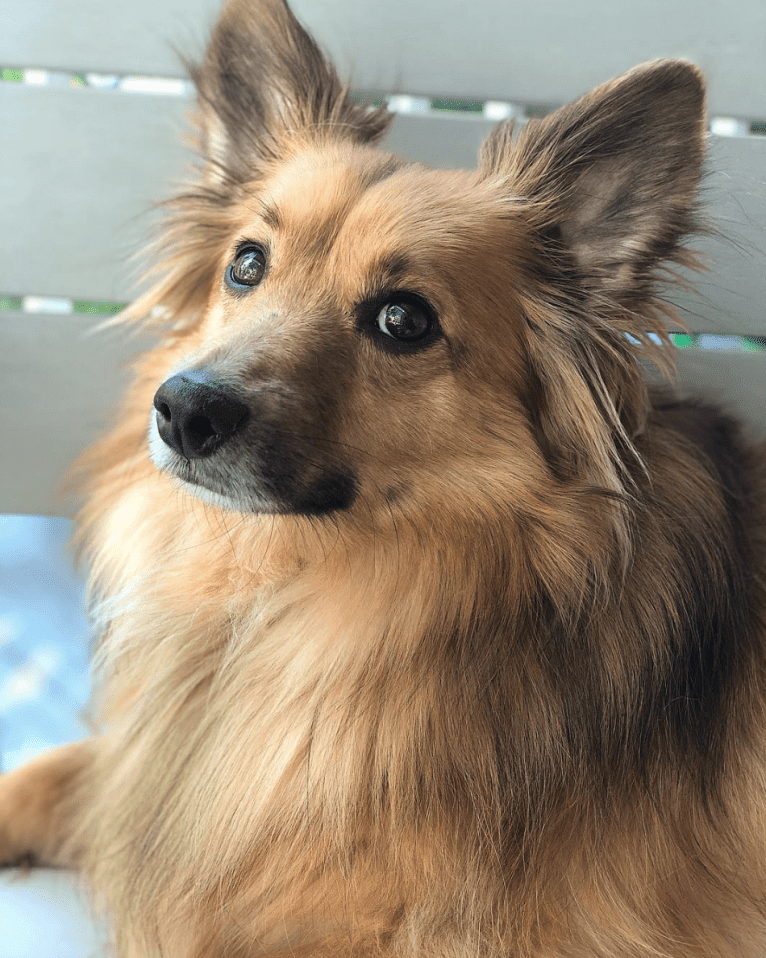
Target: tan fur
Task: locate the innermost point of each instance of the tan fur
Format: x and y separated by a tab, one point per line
441	722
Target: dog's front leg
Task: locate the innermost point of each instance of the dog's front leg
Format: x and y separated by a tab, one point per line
37	805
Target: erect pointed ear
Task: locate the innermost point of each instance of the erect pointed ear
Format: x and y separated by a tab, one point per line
264	82
614	175
607	188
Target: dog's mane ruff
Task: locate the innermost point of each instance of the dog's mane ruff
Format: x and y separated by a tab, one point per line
383	686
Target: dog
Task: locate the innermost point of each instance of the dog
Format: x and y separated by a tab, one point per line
428	630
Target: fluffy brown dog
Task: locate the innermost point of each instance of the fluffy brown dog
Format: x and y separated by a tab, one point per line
427	631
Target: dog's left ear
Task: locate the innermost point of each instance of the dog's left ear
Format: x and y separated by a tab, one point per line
264	83
613	176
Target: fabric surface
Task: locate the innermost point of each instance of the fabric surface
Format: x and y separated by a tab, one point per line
44	648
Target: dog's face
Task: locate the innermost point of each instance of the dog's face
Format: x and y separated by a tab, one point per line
371	333
337	356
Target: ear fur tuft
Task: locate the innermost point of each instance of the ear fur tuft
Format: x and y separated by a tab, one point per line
608	188
615	174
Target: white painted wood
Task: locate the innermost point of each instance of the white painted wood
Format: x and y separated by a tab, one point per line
75	189
87	165
731	296
59	386
544	51
446	140
735	380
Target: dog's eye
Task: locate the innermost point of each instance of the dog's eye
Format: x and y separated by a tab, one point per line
248	267
406	322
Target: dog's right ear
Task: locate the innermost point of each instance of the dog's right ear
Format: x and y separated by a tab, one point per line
263	85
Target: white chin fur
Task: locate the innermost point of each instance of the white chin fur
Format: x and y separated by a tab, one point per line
165	460
212	498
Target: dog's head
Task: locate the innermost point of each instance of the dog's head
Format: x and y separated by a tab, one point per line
355	332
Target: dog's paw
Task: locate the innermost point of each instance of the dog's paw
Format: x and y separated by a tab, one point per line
36	807
15	801
24	862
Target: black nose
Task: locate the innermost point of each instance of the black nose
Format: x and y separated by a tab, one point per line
196	414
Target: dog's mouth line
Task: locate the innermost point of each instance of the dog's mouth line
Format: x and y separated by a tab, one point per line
184	472
214	490
188	477
212	494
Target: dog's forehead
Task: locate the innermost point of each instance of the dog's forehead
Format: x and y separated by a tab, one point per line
320	185
356	194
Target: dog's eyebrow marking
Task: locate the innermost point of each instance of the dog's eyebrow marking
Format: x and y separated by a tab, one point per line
391	269
270	215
